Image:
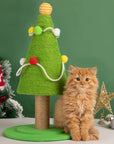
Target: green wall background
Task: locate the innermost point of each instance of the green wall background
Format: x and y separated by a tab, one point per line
87	38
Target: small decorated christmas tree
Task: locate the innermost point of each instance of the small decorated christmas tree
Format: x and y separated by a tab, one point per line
43	50
9	108
42	75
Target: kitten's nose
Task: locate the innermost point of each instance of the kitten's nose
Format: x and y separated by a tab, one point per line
82	83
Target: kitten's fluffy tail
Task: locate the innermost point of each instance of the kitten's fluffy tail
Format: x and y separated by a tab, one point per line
94	134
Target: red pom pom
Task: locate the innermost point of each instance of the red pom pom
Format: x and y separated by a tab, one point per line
3	98
33	60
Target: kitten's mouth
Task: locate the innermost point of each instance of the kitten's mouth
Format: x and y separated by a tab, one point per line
81	86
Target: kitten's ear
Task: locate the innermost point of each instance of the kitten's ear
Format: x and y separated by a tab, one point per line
93	70
72	69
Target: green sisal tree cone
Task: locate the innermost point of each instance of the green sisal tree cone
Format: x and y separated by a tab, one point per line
45	48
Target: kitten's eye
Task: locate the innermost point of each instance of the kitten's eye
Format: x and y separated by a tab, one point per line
87	79
78	79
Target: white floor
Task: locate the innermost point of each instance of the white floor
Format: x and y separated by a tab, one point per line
106	134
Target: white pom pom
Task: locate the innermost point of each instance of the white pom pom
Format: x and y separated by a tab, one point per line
22	60
56	32
31	34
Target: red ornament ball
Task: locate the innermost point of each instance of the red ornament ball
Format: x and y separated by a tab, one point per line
33	60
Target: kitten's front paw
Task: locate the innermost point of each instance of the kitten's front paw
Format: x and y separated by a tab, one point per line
75	135
85	137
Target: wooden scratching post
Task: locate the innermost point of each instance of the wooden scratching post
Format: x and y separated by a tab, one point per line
42	104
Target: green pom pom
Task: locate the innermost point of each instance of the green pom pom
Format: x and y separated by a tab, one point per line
38	30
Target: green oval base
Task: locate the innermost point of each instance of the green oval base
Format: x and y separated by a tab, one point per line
29	133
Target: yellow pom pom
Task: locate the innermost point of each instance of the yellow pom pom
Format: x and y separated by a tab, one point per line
64	58
31	31
45	9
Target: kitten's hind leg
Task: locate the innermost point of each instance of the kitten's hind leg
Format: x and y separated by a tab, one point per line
94	134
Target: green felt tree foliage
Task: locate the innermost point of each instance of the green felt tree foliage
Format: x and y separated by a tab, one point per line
45	48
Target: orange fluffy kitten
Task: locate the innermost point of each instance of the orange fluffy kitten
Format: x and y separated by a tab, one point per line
74	109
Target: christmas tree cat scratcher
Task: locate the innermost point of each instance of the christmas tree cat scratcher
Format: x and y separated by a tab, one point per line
42	74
